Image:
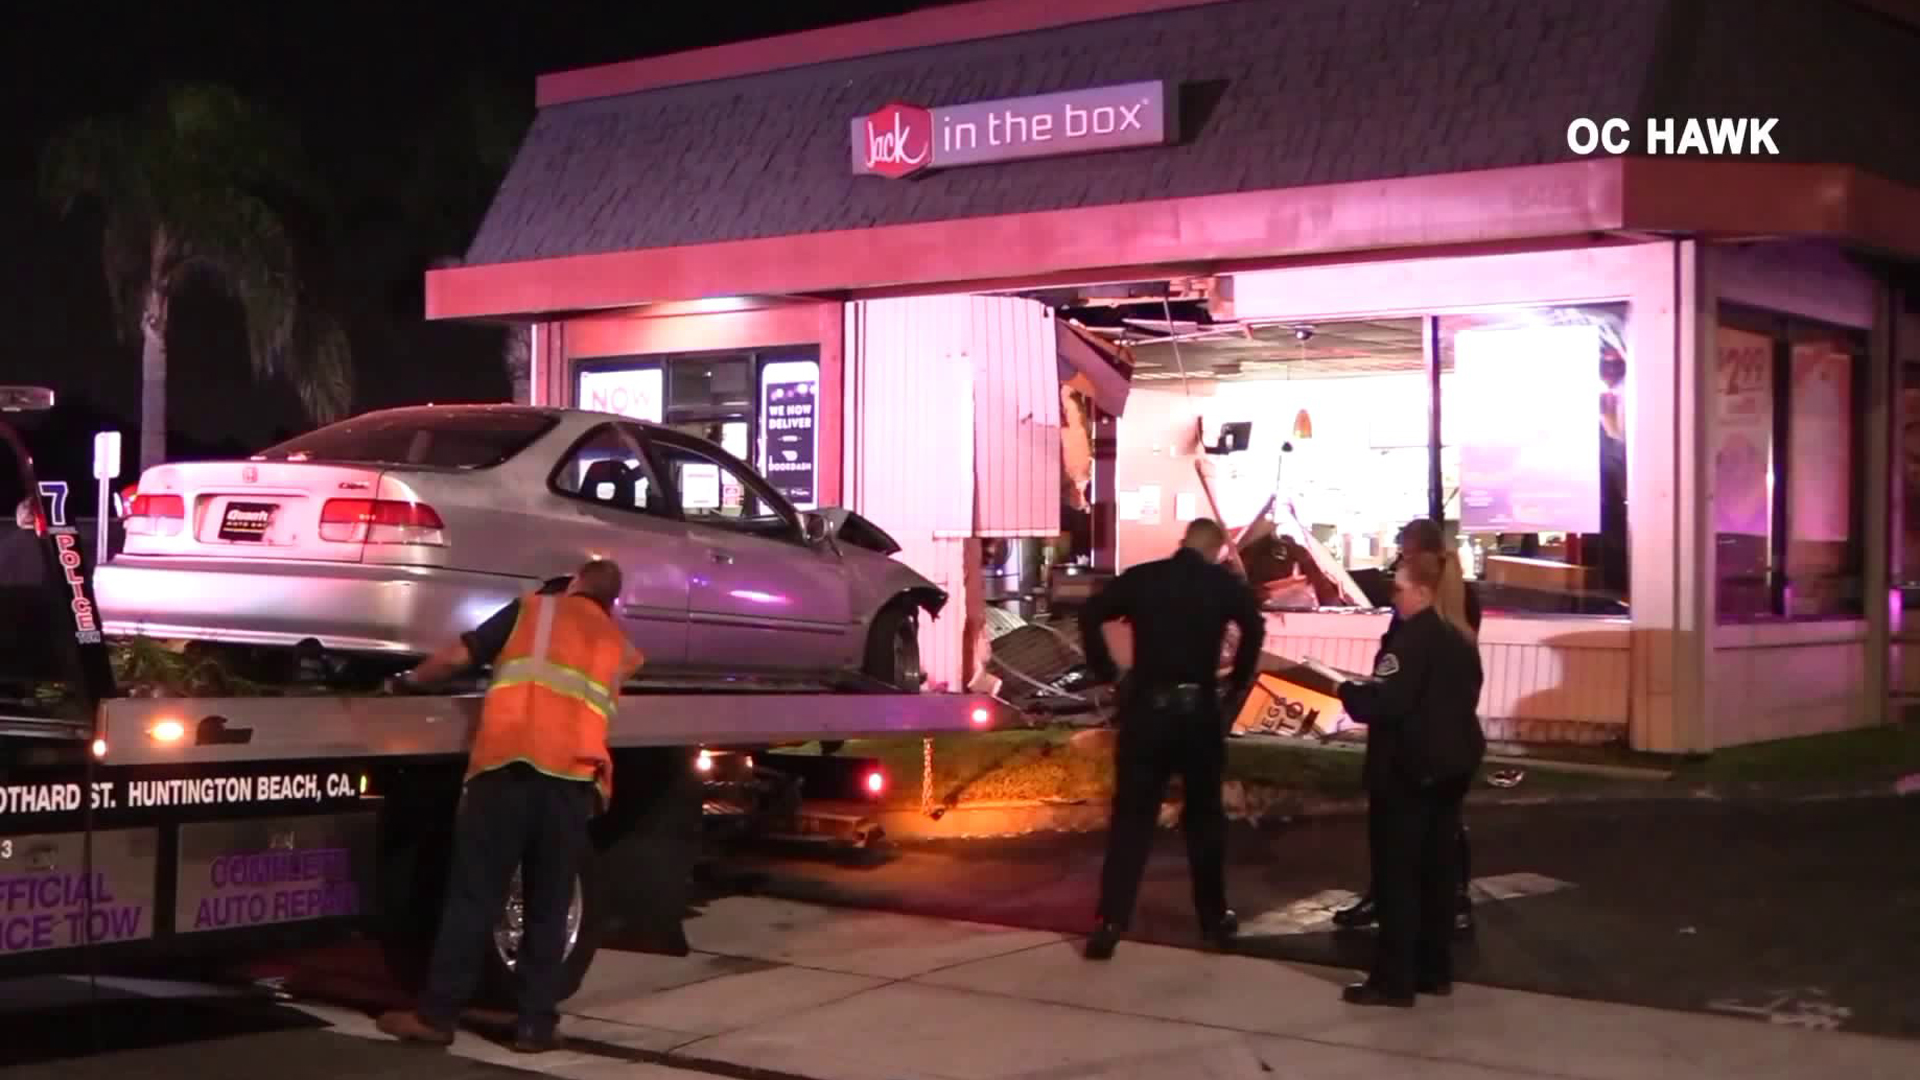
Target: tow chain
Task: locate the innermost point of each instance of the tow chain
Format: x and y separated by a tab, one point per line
926	775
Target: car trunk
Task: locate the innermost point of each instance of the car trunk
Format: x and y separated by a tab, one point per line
257	510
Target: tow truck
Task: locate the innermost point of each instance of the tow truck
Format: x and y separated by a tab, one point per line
147	830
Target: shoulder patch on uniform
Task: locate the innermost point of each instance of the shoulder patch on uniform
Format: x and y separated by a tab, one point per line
1387	666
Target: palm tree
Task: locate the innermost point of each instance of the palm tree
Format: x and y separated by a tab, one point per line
191	188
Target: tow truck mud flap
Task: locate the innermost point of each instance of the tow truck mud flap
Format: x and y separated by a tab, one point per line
236	875
50	896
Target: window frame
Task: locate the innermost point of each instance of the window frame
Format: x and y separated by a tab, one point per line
659	439
1435	344
1786	331
669	512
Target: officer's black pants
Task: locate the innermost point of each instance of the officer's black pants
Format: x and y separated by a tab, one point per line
1415	841
510	818
1152	746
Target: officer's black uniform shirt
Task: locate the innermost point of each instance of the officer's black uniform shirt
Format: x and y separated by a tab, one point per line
1180	608
1420	707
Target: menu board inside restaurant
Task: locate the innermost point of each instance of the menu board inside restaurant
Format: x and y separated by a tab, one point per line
1528	403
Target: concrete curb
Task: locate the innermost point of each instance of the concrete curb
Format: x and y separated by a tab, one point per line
1263	807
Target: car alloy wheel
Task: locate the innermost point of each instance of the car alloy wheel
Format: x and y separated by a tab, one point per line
906	656
512	925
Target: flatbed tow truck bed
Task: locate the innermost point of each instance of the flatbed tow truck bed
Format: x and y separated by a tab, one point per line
138	831
153	731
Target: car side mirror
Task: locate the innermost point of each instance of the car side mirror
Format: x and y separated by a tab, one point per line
817	528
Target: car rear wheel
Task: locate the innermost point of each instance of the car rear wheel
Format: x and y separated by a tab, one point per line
893	648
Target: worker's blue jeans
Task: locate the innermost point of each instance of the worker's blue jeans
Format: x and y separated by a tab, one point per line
512	817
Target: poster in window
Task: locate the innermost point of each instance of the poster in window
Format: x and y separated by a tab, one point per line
1820	489
1910	479
789	431
700	486
1528	402
635	393
1743	433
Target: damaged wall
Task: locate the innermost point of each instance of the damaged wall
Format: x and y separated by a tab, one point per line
953	433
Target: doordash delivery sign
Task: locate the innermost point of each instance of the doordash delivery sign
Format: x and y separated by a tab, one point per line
899	140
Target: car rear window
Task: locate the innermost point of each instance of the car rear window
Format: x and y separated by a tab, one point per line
440	438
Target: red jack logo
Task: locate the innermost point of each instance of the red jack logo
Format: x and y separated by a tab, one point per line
899	140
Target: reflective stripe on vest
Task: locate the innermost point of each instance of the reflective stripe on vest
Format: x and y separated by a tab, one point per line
559	678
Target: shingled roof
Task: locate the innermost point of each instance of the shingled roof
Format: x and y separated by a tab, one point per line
1275	94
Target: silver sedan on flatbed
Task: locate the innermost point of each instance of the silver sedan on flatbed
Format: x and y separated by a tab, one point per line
383	535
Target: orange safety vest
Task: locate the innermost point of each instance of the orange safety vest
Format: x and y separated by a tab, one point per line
555	686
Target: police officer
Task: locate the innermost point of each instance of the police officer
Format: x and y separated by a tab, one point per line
538	772
1423	534
1170	720
1423	745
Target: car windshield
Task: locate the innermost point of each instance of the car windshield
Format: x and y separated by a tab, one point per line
443	438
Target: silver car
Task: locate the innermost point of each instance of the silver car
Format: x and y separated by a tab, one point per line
387	534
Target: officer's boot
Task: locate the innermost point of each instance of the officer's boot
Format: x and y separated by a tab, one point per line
1358	915
1101	943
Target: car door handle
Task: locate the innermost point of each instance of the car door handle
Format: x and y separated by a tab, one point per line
721	557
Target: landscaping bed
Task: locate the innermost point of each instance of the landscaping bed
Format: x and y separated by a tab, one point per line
1066	766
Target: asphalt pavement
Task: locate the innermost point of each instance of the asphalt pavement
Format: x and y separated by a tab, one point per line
1747	930
1803	914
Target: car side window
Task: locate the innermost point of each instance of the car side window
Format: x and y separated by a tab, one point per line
715	490
608	468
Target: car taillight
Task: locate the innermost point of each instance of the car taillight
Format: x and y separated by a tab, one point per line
381	521
156	515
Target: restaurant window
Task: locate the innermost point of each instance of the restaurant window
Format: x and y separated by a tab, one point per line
1508	426
758	407
1321	442
1532	456
1787	477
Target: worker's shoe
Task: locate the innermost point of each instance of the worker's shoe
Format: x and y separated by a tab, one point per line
409	1028
1223	933
532	1040
1358	915
1434	987
1101	943
1366	993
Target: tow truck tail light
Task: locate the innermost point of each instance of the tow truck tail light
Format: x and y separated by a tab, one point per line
875	782
381	521
156	515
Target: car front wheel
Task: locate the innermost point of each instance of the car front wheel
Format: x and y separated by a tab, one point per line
893	648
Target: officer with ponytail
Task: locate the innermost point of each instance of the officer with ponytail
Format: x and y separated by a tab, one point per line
1424	745
1422	534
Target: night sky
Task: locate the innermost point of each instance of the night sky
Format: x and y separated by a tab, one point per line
366	85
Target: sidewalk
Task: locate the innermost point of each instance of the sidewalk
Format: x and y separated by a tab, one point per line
781	989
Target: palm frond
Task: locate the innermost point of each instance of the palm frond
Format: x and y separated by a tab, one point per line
240	244
101	161
229	139
126	246
321	368
90	160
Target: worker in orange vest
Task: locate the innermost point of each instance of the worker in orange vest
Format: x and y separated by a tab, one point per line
538	773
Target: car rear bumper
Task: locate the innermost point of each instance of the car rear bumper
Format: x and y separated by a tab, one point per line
347	607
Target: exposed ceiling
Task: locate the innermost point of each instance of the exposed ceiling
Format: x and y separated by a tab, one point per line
1278	351
1170	330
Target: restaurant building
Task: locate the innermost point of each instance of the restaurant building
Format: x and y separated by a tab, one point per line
1006	271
